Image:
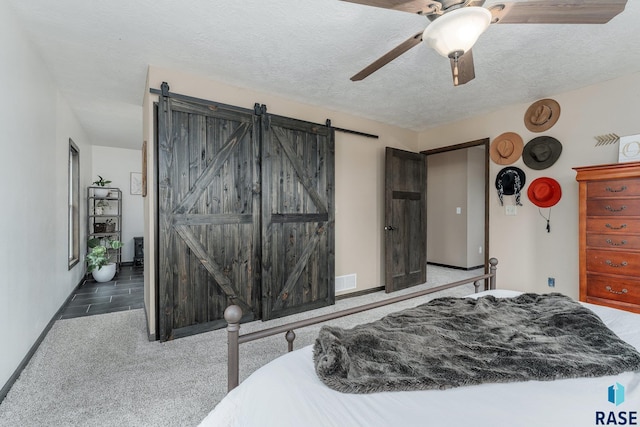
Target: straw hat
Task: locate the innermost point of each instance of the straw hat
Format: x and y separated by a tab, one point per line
541	152
506	148
541	115
544	192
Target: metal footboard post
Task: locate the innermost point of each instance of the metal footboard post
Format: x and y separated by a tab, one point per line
232	315
492	270
476	286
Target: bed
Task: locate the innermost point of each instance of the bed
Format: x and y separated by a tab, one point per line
289	392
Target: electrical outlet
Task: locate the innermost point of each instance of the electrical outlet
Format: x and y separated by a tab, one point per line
480	250
551	282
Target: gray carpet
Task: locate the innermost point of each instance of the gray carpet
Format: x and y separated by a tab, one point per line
102	370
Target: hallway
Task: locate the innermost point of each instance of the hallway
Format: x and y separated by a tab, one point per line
124	292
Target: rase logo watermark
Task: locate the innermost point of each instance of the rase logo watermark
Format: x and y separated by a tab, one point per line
615	395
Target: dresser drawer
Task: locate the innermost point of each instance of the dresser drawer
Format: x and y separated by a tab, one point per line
625	290
613	207
613	241
613	188
613	262
613	225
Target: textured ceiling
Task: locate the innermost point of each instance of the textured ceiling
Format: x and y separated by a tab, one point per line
306	50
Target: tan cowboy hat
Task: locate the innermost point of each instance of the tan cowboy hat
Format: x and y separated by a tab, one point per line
541	115
506	148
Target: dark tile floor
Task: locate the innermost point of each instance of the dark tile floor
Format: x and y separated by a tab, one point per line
124	292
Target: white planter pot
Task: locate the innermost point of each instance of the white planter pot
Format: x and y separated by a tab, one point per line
104	273
101	192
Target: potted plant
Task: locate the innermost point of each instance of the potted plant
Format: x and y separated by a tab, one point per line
101	207
99	262
101	182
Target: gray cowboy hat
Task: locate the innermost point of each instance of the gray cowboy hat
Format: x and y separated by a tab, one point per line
541	152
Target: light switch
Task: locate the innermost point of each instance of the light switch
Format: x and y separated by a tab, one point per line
510	210
458	211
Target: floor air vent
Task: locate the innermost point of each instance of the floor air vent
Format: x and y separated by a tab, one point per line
345	283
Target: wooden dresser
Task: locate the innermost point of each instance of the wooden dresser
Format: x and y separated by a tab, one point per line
610	235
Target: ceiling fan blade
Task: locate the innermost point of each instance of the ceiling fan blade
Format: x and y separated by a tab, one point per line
557	12
463	71
411	6
388	57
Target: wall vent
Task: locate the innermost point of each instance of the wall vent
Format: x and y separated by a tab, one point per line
345	283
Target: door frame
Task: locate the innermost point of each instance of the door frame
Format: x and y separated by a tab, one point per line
478	142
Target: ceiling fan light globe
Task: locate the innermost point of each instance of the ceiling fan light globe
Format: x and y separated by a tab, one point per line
457	30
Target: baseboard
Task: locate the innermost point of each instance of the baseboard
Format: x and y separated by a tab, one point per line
360	293
455	267
25	361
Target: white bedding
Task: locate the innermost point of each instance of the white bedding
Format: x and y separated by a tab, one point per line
287	392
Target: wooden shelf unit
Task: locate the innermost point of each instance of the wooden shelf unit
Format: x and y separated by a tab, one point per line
102	211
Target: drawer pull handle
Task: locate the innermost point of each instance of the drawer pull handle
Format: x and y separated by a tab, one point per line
611	190
616	228
610	209
610	264
622	243
623	291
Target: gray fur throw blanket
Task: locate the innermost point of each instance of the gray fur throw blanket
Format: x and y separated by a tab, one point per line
452	342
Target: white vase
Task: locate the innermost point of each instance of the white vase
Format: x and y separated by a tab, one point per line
104	273
101	192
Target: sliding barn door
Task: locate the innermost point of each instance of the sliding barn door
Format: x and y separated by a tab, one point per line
209	215
297	216
405	219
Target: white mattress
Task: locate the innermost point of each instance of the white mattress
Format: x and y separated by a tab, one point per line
287	392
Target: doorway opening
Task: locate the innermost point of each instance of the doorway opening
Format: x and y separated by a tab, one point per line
458	206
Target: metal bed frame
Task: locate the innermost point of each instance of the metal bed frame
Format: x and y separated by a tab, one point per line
233	314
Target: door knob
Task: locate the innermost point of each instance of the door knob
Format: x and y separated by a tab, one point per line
389	228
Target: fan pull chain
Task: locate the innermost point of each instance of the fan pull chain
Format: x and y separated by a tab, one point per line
454	57
455	71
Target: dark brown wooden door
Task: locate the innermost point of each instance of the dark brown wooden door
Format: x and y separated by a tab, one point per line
297	216
405	219
209	215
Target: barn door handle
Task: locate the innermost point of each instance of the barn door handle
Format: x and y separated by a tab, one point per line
389	227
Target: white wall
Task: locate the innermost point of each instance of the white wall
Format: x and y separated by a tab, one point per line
446	192
528	255
36	125
475	205
116	165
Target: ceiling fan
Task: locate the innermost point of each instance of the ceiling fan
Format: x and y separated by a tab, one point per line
456	25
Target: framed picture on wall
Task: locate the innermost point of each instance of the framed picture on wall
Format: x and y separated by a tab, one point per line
629	149
136	183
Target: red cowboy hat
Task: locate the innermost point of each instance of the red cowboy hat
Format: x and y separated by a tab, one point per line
544	192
